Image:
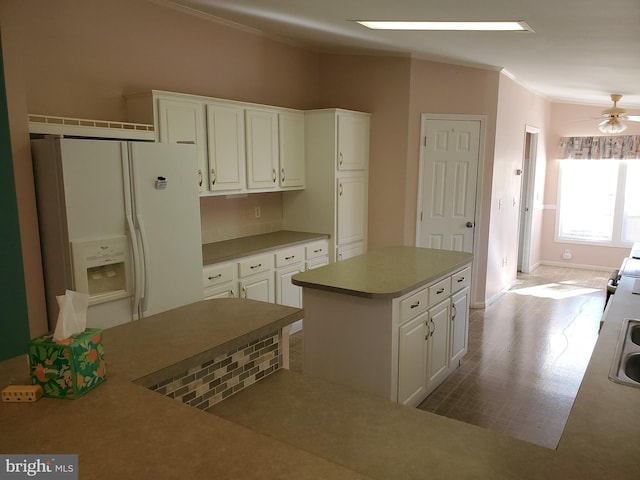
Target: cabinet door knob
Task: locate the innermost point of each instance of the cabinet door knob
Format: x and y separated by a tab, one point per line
441	290
274	175
453	312
199	177
340	159
415	305
283	174
213	177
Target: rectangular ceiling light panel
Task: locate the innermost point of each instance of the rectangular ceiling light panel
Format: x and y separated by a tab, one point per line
448	26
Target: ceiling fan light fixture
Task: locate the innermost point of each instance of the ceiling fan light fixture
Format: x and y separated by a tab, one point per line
612	127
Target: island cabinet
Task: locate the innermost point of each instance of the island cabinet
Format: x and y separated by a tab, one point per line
336	187
392	322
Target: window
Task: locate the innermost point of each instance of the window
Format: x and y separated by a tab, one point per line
599	201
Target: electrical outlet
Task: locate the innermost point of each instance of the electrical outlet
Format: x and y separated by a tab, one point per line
567	255
22	393
257	212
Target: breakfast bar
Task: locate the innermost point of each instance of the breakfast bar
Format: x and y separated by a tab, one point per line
296	426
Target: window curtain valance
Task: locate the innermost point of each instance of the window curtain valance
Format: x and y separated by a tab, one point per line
619	147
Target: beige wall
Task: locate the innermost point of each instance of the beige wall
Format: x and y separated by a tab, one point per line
574	120
517	108
224	218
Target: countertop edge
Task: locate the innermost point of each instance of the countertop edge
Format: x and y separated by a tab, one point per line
312	237
370	293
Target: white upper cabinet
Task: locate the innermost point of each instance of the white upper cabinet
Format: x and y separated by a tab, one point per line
353	141
180	121
242	147
226	152
335	196
262	149
292	157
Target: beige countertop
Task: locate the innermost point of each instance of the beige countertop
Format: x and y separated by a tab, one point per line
241	247
295	426
384	273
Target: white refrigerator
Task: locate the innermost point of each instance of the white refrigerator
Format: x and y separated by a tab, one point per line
121	222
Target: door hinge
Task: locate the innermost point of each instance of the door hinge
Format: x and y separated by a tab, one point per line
425	141
421	216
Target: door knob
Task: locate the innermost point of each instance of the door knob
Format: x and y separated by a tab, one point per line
471	224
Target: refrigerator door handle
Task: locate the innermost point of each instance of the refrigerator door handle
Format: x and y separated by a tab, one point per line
136	267
144	267
138	275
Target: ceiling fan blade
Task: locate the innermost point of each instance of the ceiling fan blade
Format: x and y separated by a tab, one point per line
632	118
585	120
604	122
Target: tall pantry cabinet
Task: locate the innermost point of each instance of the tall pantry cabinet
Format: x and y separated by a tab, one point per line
334	200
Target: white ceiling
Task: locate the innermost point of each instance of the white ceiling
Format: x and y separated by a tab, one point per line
581	51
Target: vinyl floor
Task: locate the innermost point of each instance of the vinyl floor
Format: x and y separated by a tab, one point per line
527	355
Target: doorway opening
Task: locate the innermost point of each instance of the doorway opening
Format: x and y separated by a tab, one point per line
527	179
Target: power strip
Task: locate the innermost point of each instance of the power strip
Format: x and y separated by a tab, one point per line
22	393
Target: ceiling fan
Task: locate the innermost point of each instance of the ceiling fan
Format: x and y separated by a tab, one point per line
613	117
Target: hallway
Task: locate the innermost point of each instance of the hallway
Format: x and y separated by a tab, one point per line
527	354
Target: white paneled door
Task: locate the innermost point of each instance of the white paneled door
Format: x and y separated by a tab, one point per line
450	157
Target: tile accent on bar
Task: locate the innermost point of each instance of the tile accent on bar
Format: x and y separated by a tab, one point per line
211	382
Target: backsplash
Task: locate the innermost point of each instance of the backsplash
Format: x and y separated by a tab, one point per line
225	218
211	382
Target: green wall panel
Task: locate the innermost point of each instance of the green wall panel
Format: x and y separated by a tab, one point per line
14	323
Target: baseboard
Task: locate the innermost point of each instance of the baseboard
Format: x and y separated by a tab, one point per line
578	266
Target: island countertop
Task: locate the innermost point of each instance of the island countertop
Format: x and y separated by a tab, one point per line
385	273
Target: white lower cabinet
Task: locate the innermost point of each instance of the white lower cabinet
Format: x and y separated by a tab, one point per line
348	251
438	345
432	335
258	287
412	360
256	278
459	326
220	281
266	277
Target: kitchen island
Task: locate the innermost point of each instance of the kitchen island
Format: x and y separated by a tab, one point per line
392	322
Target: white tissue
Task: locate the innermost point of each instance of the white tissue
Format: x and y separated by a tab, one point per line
72	318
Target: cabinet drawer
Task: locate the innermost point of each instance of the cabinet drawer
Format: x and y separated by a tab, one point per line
439	291
317	249
289	256
253	265
221	291
217	274
460	279
414	305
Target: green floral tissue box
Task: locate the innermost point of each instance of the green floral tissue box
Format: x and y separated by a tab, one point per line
68	368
